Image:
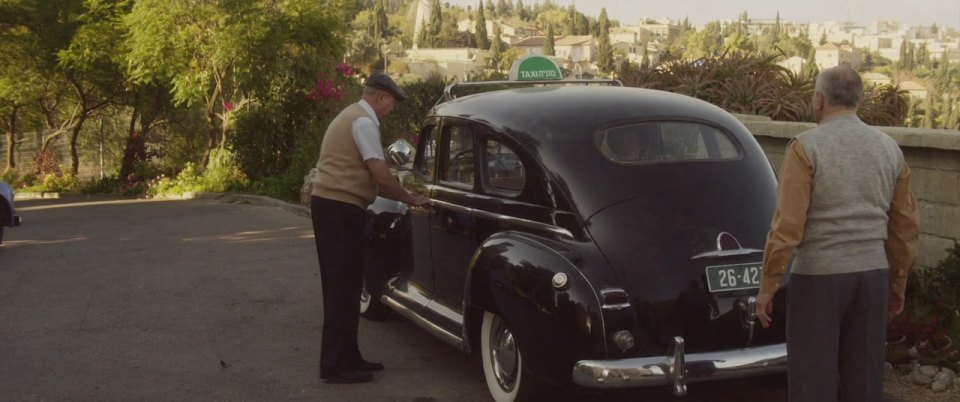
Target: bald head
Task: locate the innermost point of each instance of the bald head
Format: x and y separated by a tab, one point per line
840	86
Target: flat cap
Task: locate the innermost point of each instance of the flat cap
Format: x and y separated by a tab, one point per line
384	83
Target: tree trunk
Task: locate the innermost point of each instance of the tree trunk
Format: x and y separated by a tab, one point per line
12	138
74	136
129	161
212	131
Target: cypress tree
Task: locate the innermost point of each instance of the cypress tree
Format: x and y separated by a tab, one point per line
436	23
483	42
496	53
604	49
548	43
380	21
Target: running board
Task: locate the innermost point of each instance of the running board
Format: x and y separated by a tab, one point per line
444	335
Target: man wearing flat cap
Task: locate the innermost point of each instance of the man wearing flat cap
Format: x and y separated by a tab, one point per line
352	172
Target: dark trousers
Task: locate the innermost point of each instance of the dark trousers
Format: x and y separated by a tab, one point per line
341	232
836	334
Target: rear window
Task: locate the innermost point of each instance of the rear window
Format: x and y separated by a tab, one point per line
649	142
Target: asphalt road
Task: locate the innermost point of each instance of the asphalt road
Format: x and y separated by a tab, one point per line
205	300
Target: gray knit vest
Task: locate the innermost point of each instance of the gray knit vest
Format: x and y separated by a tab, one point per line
855	169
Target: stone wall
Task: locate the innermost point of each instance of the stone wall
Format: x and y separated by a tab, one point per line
934	158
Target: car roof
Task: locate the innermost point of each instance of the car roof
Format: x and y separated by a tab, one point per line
556	125
542	114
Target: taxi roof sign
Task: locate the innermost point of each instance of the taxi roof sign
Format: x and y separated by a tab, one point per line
535	68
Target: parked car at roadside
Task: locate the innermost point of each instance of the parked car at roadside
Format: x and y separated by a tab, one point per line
8	214
582	237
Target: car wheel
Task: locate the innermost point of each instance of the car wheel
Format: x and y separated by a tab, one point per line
503	367
1	234
370	306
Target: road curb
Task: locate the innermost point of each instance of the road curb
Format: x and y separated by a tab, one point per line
234	198
237	198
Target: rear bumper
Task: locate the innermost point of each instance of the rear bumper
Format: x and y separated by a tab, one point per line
677	368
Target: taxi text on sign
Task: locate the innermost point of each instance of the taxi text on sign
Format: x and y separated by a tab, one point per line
535	68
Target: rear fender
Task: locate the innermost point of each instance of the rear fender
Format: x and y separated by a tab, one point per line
512	275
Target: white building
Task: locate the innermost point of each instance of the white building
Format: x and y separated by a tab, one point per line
830	55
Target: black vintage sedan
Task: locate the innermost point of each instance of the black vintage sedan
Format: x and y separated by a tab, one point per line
582	237
8	214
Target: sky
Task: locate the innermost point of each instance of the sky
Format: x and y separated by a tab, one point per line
911	12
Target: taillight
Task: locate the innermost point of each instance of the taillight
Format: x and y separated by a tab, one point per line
615	298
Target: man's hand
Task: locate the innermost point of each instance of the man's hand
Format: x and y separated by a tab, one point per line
419	200
764	309
895	306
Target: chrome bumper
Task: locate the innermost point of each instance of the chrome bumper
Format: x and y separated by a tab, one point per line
677	368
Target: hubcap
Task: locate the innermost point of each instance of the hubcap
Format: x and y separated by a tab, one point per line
504	355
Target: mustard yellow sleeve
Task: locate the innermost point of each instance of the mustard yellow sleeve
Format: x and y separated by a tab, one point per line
903	233
790	217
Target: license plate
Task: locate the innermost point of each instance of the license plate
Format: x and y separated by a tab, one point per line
721	278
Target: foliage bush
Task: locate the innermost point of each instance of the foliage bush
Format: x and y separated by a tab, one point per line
221	175
932	309
269	138
404	122
753	83
60	180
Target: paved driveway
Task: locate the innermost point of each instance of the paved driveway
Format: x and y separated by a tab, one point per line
203	300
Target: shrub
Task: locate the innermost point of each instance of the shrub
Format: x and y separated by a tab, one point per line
932	309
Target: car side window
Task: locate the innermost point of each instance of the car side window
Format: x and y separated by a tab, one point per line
425	162
652	142
505	174
458	168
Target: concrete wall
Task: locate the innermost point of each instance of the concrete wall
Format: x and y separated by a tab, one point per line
934	159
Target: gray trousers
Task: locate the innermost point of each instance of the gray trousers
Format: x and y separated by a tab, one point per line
836	334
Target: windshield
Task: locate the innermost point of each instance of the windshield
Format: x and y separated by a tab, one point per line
651	142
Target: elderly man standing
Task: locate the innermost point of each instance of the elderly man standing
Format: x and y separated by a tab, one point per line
352	172
846	214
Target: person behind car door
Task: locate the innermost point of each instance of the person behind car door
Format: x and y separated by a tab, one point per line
846	213
352	172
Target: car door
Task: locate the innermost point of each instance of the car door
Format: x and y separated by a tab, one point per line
415	285
452	221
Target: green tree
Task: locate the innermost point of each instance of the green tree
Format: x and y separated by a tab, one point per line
226	56
21	80
483	41
91	67
503	9
823	38
496	48
776	29
810	67
705	43
436	23
521	11
928	112
604	49
922	56
380	22
450	36
903	62
548	43
645	60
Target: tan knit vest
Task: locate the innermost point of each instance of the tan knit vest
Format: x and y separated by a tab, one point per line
343	174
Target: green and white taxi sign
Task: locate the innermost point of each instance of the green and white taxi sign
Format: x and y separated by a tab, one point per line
535	68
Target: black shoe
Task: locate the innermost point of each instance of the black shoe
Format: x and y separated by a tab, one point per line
348	377
364	365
